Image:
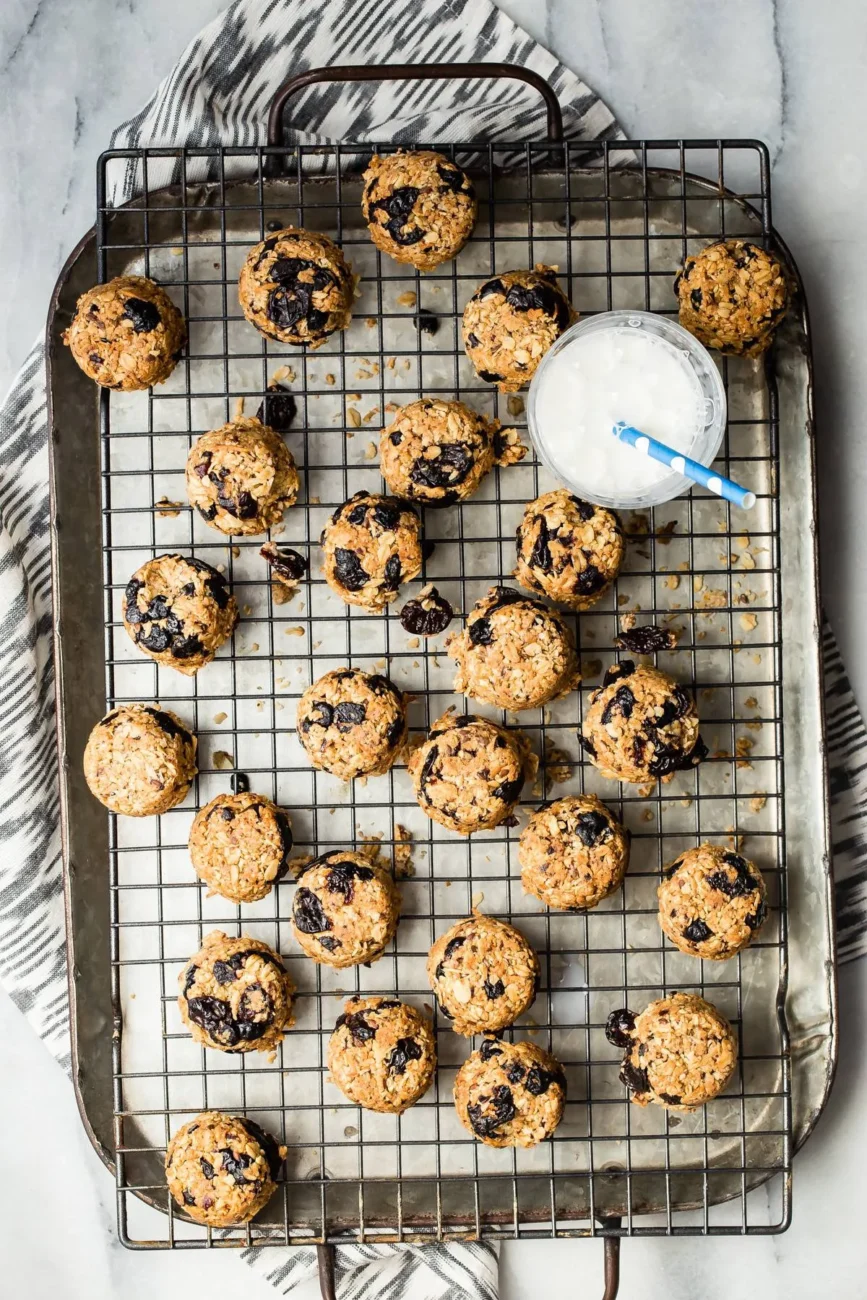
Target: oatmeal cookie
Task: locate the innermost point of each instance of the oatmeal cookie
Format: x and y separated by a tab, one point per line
345	909
511	321
573	853
641	725
469	772
296	287
372	544
240	846
352	723
140	760
712	902
568	549
514	652
179	611
680	1051
420	208
126	334
732	296
241	477
235	995
483	973
382	1054
438	452
510	1094
222	1169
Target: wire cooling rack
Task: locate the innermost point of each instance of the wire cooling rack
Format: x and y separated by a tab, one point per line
617	234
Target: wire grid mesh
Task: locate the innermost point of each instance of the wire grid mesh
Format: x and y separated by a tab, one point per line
352	1174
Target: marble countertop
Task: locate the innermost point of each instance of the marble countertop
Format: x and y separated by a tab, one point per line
760	68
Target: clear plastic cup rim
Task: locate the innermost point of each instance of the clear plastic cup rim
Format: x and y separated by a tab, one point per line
707	440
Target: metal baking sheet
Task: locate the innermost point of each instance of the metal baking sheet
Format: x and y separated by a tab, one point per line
135	911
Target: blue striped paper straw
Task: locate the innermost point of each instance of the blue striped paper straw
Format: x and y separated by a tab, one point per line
723	487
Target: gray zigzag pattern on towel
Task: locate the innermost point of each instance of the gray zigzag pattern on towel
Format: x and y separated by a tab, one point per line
847	777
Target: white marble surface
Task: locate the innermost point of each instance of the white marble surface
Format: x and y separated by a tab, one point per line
776	69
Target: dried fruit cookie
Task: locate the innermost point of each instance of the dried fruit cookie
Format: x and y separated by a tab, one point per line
510	323
382	1054
573	853
140	760
514	652
641	725
241	477
680	1051
296	287
126	334
483	973
437	452
712	902
372	544
240	846
222	1169
568	549
420	208
510	1094
236	995
469	772
345	909
179	611
352	723
732	296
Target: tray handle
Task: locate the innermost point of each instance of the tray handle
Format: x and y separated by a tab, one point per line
413	72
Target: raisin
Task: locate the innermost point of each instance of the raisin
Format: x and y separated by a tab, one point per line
500	597
757	918
622	702
636	1079
697	931
645	640
187	647
189	1199
215	1017
589	580
405	1050
358	1027
348	570
167	724
224	973
190	976
591	827
427	770
539	1081
207	512
743	882
269	1147
207	1168
254	1013
494	990
453	179
488	288
308	913
157	639
624	669
342	877
490	1047
348	715
329	943
675	707
418	621
695	298
586	510
450	948
286	564
619	1027
509	790
387	515
481	632
392	573
277	411
473	340
450	467
489	376
586	745
395	732
234	1164
395	439
143	314
515	1072
670	1098
540	556
397	208
357	515
486	1118
426	321
286	308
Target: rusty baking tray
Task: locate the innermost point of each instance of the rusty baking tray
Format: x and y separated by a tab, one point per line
617	219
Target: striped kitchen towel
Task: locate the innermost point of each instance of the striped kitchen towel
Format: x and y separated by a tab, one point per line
219	93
